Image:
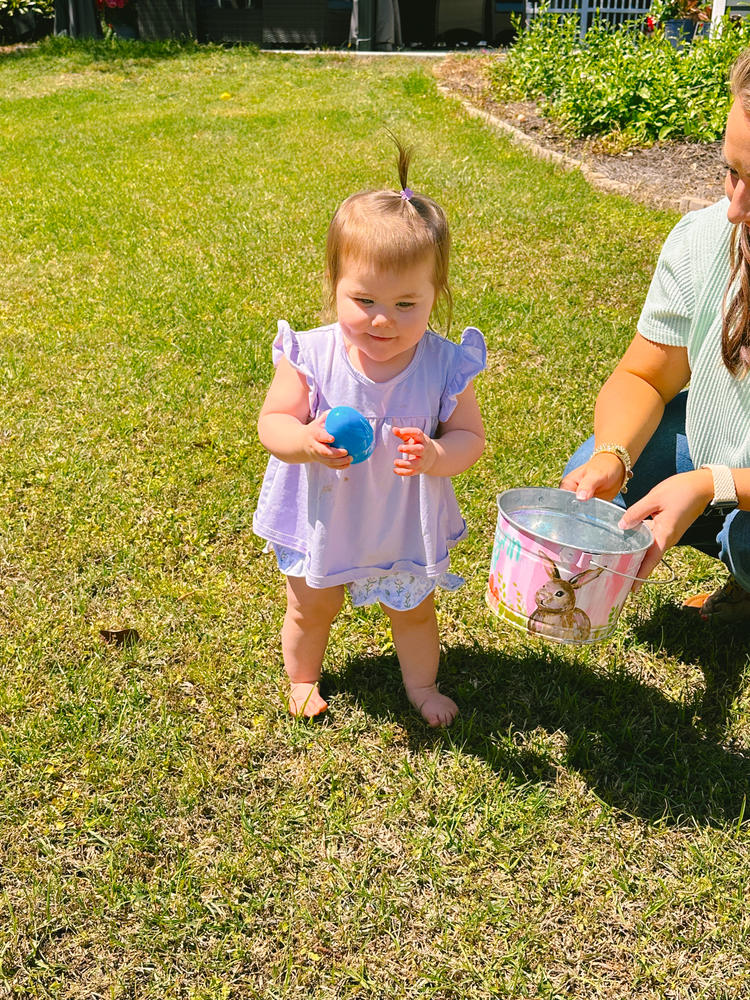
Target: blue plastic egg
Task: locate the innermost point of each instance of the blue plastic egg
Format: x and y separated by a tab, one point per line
351	431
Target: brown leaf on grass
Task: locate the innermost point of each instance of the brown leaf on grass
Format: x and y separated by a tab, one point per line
119	637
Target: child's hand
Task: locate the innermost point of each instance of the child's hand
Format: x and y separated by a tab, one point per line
418	449
317	444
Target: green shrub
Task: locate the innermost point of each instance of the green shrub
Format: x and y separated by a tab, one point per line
621	80
18	17
44	8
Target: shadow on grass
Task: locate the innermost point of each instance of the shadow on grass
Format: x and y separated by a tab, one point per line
114	50
720	651
638	750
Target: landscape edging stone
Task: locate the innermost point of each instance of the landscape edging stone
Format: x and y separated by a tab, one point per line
594	177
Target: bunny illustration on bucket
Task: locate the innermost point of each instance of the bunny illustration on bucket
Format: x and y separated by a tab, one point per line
556	613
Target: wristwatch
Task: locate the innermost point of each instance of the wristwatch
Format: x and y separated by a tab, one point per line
725	492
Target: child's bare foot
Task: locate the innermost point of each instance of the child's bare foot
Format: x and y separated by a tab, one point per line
437	709
305	699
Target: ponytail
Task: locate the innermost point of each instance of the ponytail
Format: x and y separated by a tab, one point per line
405	156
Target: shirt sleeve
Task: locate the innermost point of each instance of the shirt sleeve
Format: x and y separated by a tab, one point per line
668	311
470	358
287	344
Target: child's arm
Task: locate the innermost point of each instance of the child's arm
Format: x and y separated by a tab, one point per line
285	428
457	446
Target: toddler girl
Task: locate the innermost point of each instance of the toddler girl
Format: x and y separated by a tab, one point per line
382	527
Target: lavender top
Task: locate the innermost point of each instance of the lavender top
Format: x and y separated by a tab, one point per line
365	520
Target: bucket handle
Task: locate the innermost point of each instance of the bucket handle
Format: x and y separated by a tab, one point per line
640	579
608	569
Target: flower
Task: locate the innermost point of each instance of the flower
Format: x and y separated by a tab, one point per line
104	4
669	10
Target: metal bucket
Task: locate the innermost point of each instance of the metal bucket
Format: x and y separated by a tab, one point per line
561	567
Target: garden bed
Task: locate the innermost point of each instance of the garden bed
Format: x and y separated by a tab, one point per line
661	175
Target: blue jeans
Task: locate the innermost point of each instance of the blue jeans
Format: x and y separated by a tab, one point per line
666	454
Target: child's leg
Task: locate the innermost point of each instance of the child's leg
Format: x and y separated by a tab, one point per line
304	637
415	636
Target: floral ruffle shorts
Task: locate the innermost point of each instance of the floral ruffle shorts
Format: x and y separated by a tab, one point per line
398	591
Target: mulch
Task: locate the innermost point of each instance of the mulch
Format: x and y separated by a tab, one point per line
662	175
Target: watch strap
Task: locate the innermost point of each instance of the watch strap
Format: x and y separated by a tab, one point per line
725	492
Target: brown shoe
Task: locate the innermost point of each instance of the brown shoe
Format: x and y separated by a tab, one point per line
730	603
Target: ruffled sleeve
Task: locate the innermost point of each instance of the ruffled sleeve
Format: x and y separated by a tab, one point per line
470	359
287	345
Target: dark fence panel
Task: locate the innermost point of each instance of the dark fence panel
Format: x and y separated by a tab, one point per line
227	24
166	18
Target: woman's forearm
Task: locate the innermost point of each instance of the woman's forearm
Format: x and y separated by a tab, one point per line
741	479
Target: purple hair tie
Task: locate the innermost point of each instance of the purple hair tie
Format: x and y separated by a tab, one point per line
407	194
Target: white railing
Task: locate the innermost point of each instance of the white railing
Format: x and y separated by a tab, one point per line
614	11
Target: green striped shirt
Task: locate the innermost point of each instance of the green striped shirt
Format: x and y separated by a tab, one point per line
683	309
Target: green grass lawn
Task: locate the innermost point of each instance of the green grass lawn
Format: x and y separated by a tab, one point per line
166	830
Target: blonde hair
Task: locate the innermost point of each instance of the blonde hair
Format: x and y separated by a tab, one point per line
735	331
390	230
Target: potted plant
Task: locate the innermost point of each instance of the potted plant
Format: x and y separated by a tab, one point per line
678	18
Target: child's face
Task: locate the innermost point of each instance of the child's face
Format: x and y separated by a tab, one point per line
383	314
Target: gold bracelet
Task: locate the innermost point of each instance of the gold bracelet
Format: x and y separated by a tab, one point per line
624	455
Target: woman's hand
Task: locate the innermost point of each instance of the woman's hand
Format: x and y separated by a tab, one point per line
602	476
673	505
418	449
